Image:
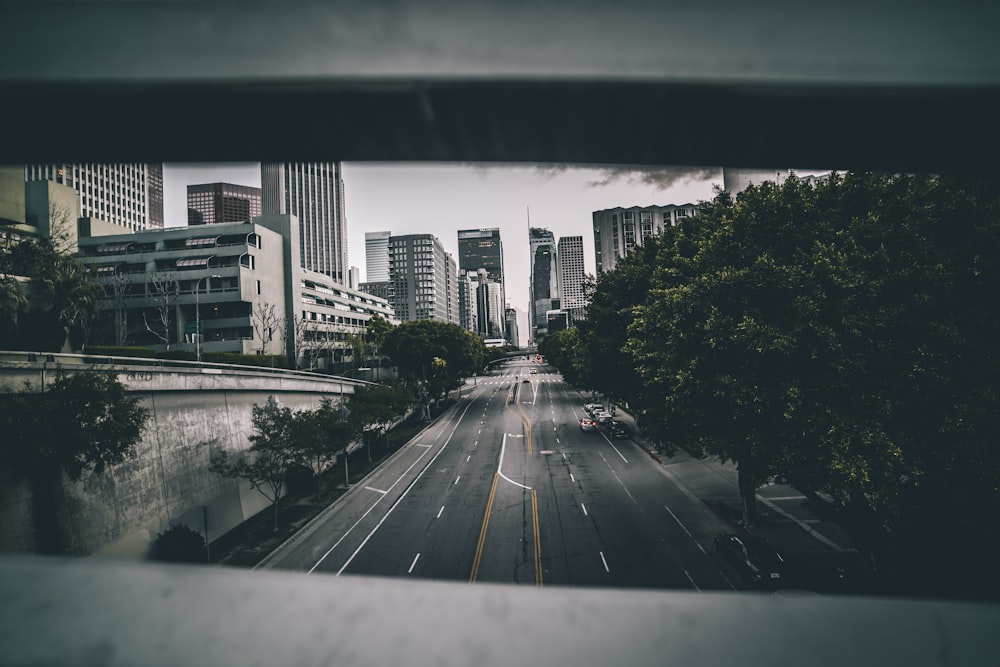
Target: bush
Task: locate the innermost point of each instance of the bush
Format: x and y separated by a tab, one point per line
179	544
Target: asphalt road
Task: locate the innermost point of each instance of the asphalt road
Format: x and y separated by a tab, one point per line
506	488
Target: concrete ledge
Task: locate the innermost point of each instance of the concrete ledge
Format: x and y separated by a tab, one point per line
93	612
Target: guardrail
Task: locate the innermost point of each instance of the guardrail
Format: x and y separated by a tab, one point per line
43	359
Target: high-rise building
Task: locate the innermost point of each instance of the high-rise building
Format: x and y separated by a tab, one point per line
424	279
489	308
314	193
481	250
618	230
544	281
468	318
377	256
211	203
129	195
569	258
511	322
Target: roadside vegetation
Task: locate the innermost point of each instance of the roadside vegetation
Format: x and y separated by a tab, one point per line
839	335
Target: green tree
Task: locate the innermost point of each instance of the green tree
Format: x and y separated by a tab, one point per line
561	349
375	407
434	355
62	296
84	421
272	453
321	435
836	333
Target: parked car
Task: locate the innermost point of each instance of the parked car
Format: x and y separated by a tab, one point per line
619	429
757	562
603	418
591	408
588	424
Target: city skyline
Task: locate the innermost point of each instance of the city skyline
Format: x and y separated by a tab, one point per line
440	199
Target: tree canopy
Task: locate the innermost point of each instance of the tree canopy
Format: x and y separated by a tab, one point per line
434	354
837	333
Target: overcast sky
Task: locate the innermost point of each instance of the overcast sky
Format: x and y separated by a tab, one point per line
441	199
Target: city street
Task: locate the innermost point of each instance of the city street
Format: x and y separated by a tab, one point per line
506	488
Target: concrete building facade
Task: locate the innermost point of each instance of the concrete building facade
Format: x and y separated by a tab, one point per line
424	279
243	281
130	195
618	230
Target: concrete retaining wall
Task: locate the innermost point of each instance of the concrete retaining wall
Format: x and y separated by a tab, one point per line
192	415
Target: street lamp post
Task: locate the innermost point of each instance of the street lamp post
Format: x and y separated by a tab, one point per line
197	315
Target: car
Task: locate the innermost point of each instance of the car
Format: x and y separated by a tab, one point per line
591	408
587	424
533	371
619	429
756	561
603	418
525	380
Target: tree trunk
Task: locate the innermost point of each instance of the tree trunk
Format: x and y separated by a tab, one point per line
748	494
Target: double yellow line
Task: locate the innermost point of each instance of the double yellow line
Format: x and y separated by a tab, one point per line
482	532
538	540
523	416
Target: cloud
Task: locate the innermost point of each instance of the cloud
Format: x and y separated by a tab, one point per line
661	178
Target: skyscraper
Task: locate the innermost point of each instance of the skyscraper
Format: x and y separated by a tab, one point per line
544	281
424	279
377	256
211	203
480	255
130	195
314	193
481	249
569	258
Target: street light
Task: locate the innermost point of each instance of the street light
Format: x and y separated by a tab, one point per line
197	315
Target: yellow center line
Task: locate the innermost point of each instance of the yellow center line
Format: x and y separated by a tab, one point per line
482	533
538	541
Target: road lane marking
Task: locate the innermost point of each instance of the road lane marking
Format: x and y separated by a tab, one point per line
425	446
456	480
375	504
503	446
413	564
571	478
584	509
700	548
606	568
482	533
371	488
538	540
785	497
468	457
439	512
690	579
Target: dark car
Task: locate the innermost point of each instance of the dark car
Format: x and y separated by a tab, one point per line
619	429
757	562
